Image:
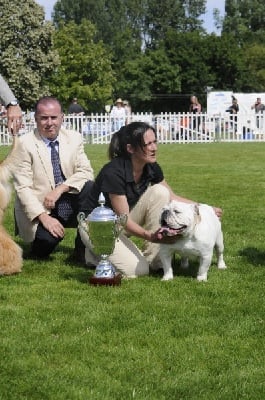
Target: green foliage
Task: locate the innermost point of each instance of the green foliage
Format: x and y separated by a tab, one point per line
254	56
245	20
147	339
148	77
145	19
27	55
85	67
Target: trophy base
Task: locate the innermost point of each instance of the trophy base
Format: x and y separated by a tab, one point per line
102	281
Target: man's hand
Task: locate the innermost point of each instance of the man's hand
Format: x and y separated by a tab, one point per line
14	119
52	225
51	198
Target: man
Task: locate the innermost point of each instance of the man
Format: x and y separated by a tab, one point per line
75	108
259	108
45	205
14	113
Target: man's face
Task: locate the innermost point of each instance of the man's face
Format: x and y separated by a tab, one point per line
49	118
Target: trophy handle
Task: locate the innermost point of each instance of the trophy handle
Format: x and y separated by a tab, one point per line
120	224
81	219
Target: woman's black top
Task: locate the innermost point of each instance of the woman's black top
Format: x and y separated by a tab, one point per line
116	177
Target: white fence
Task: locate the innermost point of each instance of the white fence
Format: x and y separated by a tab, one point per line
170	127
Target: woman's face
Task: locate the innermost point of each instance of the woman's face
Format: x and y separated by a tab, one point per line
147	154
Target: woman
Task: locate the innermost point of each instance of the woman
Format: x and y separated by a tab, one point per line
133	183
195	108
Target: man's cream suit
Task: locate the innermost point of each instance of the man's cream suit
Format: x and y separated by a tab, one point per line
33	176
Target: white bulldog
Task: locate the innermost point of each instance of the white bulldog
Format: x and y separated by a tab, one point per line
199	231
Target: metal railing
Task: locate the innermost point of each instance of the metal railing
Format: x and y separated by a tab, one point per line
170	127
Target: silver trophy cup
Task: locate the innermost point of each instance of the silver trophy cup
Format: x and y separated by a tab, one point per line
103	227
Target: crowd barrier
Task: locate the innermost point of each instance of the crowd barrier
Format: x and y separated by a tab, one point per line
170	127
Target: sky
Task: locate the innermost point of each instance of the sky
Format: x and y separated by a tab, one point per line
208	17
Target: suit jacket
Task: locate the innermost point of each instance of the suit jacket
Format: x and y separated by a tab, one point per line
33	175
6	94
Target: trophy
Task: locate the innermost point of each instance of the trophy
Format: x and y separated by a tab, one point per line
103	227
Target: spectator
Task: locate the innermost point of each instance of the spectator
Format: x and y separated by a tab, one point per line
195	108
233	110
75	108
133	183
2	111
52	180
128	111
259	108
14	113
118	115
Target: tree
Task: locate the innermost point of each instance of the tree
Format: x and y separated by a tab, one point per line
244	19
85	69
145	21
27	56
254	56
149	80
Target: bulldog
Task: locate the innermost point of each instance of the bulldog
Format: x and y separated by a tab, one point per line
198	231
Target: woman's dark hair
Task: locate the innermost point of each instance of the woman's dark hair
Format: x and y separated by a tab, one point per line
132	134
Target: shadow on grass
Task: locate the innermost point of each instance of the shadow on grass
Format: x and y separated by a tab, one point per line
79	271
190	272
253	256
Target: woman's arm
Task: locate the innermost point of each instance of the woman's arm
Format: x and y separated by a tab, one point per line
120	206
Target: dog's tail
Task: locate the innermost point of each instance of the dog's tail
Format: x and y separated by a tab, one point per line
6	168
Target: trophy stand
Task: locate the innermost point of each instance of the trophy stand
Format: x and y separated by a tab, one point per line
103	228
105	274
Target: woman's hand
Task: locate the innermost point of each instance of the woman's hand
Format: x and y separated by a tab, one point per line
162	236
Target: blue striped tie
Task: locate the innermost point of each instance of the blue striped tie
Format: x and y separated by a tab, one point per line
64	207
55	159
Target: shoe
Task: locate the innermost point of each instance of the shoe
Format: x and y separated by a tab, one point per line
78	256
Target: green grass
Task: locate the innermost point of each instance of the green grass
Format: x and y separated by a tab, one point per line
180	340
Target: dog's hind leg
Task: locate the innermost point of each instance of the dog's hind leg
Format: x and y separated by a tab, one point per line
219	248
184	262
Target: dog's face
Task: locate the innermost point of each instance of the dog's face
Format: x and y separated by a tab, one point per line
179	216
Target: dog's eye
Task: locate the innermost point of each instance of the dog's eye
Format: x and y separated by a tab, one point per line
176	212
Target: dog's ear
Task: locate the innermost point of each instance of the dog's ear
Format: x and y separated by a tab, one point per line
196	209
197	213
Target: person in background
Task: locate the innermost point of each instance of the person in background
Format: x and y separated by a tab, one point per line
2	110
118	115
13	110
233	110
128	111
133	183
195	108
75	108
52	180
259	108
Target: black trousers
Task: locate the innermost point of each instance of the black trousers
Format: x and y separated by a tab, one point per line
44	242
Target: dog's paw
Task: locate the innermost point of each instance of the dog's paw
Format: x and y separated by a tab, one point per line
202	278
167	277
222	265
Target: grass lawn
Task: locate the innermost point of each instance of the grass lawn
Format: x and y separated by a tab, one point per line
63	339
